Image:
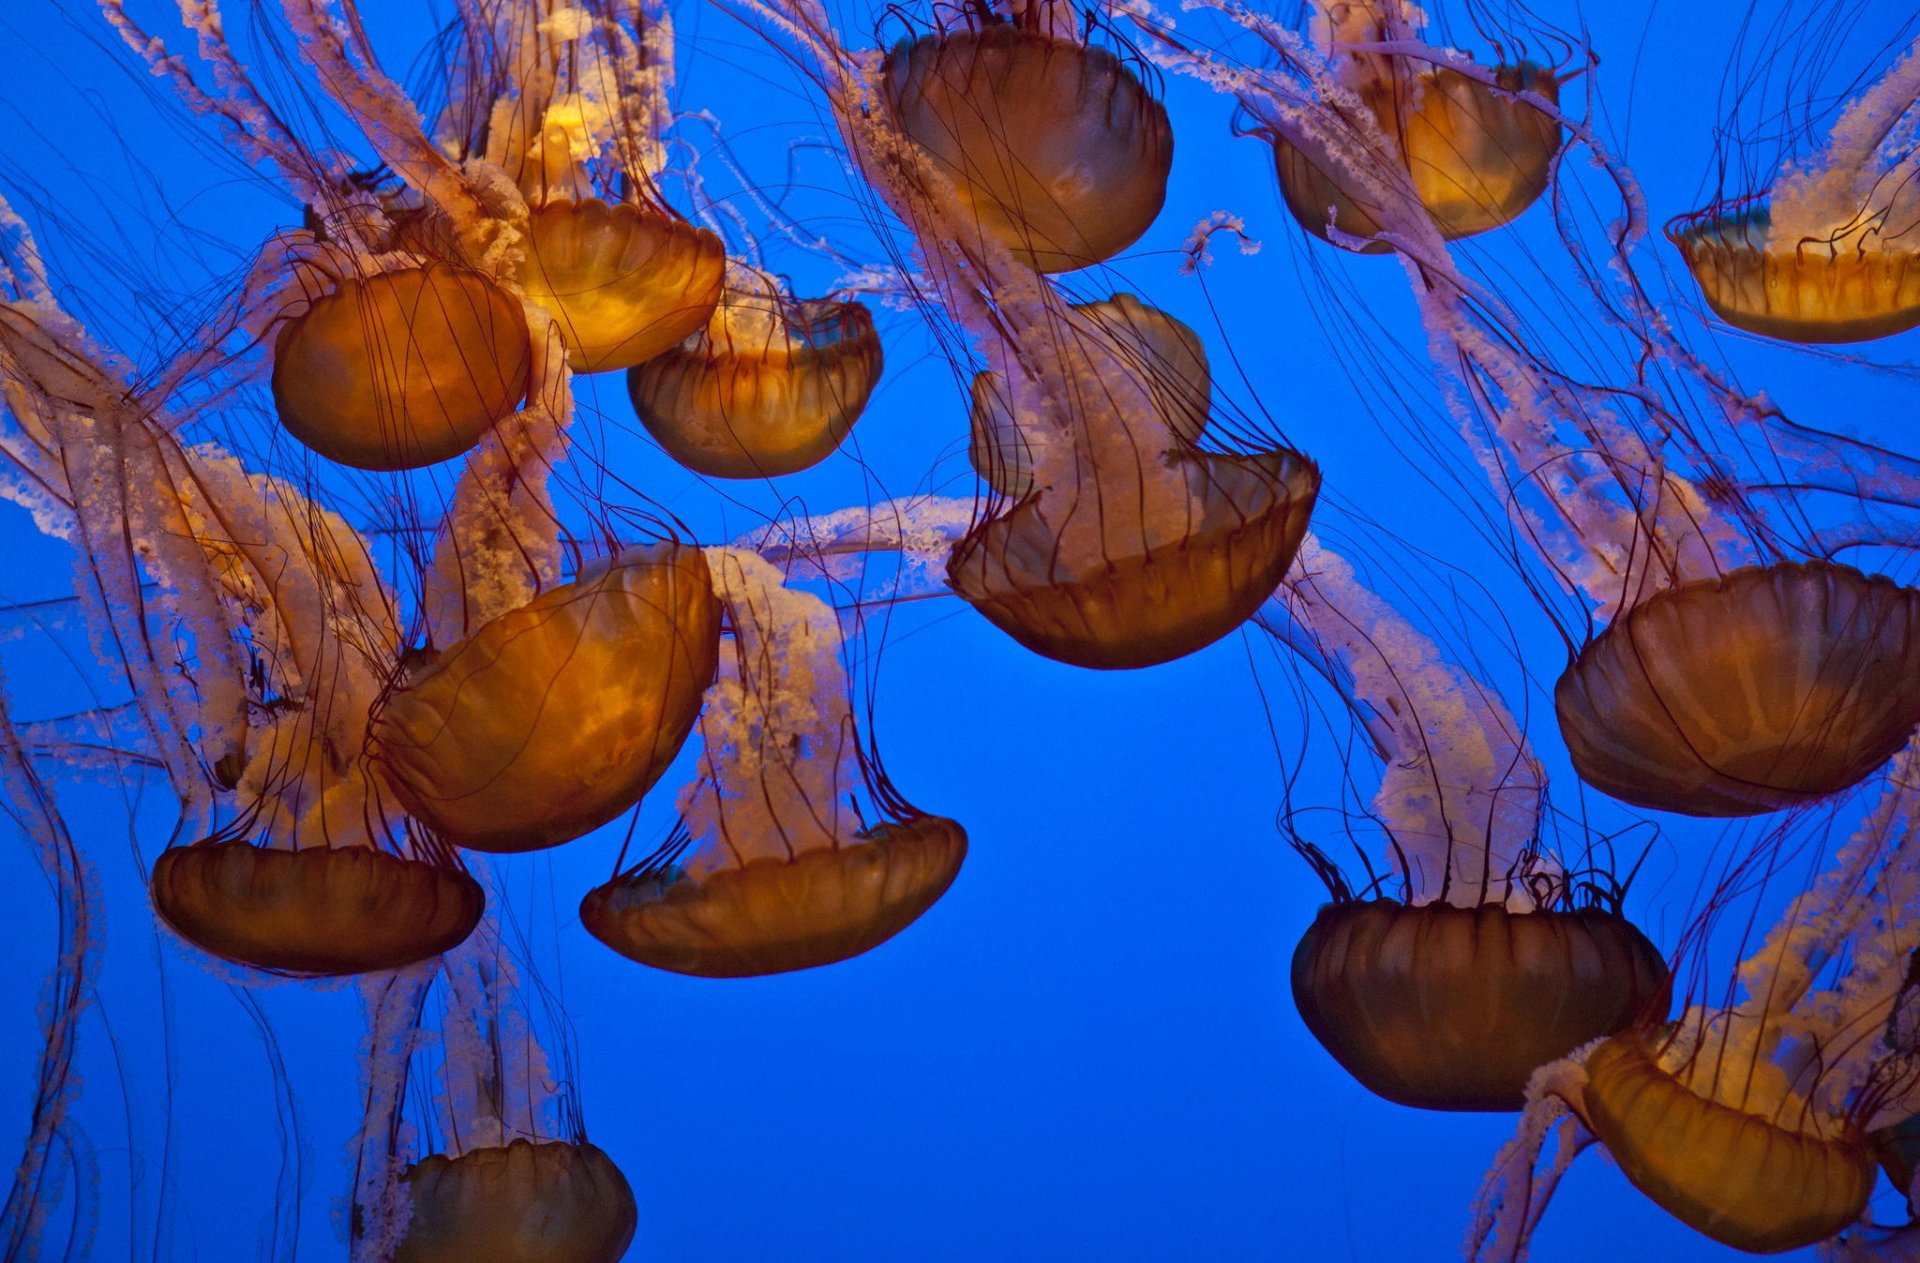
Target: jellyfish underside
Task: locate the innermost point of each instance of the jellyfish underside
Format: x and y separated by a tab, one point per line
1749	1182
317	911
1852	287
402	369
1477	156
1767	688
1138	608
1451	1008
524	1202
1055	148
556	717
625	282
776	915
740	401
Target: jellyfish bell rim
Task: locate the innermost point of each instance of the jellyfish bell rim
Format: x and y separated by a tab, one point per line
584	1170
732	396
316	424
1484	967
681	925
1742	281
939	55
1627	1092
352	928
1607	745
1080	617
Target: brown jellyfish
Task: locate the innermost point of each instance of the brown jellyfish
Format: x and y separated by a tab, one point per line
1476	154
1495	959
1129	546
1052	146
523	1202
770	387
776	868
554	718
401	369
1770	687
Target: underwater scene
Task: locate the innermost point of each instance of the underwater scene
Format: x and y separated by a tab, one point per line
798	630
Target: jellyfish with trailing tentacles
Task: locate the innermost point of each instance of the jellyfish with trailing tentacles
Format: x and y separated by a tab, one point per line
770	387
510	1176
1831	251
777	867
1051	144
1494	958
1463	141
1750	1119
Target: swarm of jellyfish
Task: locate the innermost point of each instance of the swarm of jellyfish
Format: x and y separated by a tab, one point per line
465	587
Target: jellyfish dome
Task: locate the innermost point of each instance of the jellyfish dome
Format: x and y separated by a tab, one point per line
1477	155
522	1202
1053	147
1770	687
557	716
1724	1161
779	870
770	387
403	368
1129	546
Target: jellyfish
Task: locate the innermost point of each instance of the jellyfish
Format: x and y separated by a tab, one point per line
777	868
554	718
1831	252
570	102
1476	152
1750	1120
511	1177
770	387
1053	147
1494	959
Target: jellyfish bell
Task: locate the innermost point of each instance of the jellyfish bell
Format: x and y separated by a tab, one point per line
1770	687
402	368
1476	154
1202	538
771	386
1409	998
556	717
1053	146
523	1202
781	871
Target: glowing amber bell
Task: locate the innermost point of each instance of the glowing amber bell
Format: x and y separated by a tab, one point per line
1151	607
556	717
553	1202
1448	1008
403	369
1477	157
318	911
625	282
1741	1179
762	408
1054	148
1768	688
777	915
1846	290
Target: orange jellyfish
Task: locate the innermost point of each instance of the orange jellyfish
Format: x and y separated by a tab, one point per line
555	717
1770	687
1831	253
402	368
1475	153
1129	546
1053	147
576	125
522	1202
770	387
777	869
1495	959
